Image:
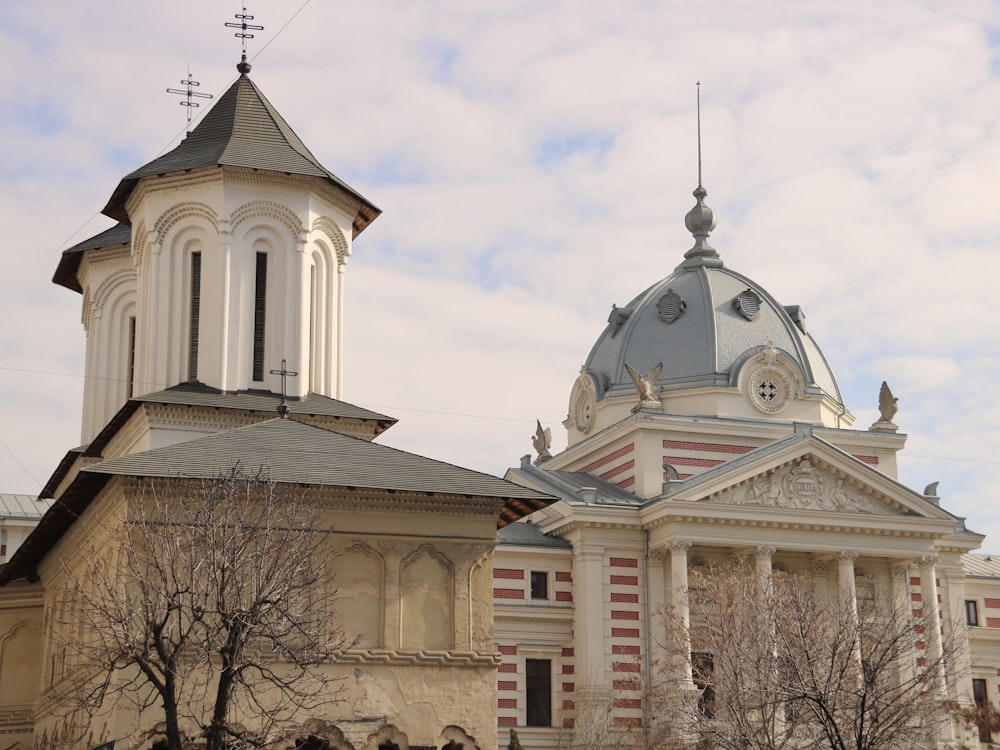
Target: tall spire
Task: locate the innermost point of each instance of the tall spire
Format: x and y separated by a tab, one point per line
701	219
243	34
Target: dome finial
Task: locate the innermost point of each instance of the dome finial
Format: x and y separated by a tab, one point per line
243	66
701	219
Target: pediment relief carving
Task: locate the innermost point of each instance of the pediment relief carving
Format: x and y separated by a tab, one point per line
803	486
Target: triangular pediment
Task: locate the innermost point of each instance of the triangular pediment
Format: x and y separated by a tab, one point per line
804	485
806	473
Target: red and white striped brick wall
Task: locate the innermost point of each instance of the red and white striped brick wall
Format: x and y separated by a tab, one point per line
625	614
617	466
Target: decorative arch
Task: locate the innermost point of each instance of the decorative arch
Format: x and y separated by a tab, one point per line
271	210
388	737
185	211
453	737
359	576
140	241
19	659
315	734
427	585
328	228
111	286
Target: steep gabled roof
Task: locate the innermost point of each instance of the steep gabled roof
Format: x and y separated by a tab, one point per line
65	275
292	453
243	129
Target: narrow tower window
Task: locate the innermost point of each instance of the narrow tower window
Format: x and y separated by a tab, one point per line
131	356
195	315
260	287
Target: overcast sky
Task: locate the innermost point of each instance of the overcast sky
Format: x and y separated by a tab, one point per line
534	162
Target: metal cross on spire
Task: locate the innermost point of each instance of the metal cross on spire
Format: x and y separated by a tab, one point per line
244	28
190	95
698	85
283	372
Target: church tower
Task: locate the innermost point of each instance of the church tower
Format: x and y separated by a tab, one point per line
229	258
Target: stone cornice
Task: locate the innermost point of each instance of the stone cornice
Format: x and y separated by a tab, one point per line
794	520
414	658
218	176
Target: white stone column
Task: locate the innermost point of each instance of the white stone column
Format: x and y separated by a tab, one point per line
762	558
338	354
681	610
657	633
845	579
958	637
933	647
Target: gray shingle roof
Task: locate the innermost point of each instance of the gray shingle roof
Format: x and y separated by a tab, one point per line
299	453
65	275
243	129
292	452
197	394
524	534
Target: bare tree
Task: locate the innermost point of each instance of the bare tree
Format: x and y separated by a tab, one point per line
776	665
213	601
593	722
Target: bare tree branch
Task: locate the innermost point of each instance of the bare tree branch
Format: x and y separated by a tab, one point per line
215	609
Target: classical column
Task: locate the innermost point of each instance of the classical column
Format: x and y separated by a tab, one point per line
762	557
932	621
656	632
681	610
845	578
849	596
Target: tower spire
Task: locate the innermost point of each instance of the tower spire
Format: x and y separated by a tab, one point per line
243	34
701	219
189	93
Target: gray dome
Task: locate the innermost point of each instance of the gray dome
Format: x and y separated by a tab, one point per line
703	322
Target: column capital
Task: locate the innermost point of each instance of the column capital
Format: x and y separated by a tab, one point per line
763	550
927	561
847	555
658	554
679	545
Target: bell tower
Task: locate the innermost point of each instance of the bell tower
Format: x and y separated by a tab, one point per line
229	257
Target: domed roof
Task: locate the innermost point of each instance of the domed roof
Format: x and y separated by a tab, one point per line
703	322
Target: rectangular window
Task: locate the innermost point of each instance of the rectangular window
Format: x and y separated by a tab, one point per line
538	692
703	675
3	543
260	290
195	316
971	612
539	584
131	356
983	705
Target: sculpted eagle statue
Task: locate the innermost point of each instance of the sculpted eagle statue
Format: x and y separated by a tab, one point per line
542	441
646	384
887	403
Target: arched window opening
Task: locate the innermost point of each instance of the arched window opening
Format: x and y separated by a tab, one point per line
195	316
260	293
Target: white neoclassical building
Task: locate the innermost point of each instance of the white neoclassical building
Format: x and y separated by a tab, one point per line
705	423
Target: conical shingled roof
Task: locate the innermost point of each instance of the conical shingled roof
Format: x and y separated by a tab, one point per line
243	129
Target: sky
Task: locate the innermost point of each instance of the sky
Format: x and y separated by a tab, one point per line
534	162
